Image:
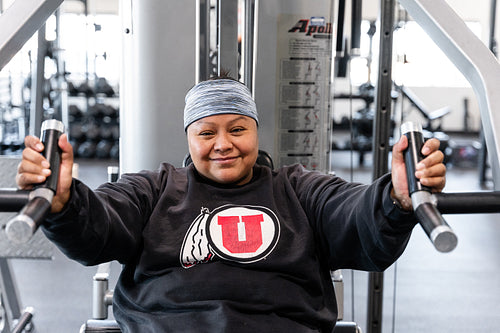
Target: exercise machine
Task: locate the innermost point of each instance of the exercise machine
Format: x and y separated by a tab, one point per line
33	206
35	203
428	207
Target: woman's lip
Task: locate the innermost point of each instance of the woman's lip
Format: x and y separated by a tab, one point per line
224	159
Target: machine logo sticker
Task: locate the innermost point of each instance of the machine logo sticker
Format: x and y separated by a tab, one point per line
243	234
316	27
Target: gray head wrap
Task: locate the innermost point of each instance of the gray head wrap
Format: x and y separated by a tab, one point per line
221	96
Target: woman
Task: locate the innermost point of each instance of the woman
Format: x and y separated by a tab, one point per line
226	245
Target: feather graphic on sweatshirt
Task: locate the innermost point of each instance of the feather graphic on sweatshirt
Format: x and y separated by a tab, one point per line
195	248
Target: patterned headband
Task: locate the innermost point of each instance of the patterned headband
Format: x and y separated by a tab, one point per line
221	96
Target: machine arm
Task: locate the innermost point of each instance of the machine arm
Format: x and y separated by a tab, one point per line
439	232
468	202
429	207
476	62
12	200
22	226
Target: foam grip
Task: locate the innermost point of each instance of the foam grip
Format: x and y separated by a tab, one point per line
22	226
51	132
356	12
413	155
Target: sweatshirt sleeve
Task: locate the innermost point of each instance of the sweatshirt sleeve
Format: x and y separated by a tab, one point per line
357	226
104	224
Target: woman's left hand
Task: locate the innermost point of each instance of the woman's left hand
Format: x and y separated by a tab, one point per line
430	171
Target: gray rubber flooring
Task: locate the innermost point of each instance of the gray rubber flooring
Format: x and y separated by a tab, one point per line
425	291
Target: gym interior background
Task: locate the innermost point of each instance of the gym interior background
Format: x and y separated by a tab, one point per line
101	61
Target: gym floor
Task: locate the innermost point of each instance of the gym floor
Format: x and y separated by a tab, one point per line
425	291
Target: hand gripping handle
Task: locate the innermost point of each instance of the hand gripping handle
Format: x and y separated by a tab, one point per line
436	228
22	227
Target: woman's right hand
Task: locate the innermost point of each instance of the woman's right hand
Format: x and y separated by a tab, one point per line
34	169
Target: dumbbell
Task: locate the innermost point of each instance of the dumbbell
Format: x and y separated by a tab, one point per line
103	149
87	149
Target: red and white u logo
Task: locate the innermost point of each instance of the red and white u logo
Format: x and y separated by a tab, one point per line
242	233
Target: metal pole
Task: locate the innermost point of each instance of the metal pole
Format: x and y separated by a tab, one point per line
19	22
483	153
37	82
248	43
10	295
381	146
203	69
227	18
493	15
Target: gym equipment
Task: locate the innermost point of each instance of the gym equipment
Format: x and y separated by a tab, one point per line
24	322
12	311
103	149
95	132
36	203
103	87
436	228
429	207
19	22
87	149
34	206
430	116
356	9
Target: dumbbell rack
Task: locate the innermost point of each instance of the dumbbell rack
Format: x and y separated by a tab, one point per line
93	121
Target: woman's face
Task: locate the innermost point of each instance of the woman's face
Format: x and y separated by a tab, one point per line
224	147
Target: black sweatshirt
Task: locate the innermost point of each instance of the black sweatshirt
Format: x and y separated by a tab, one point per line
204	257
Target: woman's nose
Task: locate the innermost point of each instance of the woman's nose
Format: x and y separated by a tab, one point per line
222	142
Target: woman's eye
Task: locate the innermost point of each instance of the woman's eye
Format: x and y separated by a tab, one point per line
237	130
205	133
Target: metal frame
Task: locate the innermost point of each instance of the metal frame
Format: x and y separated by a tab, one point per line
19	22
381	146
249	43
227	37
37	82
203	66
231	54
9	296
473	58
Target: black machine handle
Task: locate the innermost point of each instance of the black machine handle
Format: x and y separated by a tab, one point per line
431	220
22	227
